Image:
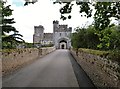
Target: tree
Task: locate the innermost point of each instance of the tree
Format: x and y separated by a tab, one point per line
92	39
85	38
103	11
8	40
107	39
29	2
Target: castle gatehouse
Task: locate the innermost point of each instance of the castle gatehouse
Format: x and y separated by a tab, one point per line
60	37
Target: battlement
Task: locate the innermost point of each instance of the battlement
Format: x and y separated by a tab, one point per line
40	26
38	30
63	26
55	22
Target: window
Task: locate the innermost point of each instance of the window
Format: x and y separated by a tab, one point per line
60	34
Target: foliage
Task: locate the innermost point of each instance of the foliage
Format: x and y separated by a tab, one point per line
85	38
115	39
103	11
113	55
109	38
9	40
48	45
30	2
75	40
29	45
106	39
95	52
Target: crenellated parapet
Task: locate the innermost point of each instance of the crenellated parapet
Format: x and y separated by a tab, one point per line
60	27
40	26
38	30
55	22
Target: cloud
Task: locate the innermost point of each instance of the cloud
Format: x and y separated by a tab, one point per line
42	13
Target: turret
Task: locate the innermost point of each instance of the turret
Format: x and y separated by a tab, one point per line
38	34
38	29
55	22
55	25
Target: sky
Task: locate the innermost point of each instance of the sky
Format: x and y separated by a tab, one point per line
43	12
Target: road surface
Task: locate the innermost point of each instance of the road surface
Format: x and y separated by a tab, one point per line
57	69
53	70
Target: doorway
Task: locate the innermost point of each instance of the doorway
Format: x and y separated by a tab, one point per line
63	44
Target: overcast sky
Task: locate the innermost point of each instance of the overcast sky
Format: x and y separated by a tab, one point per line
42	13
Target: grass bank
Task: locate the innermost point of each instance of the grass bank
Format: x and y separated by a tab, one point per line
113	55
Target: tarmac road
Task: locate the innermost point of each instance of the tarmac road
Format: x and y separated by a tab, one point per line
53	70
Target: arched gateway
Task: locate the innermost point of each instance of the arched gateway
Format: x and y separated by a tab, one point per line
63	43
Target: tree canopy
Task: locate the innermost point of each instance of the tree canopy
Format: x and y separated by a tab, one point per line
103	10
8	40
107	39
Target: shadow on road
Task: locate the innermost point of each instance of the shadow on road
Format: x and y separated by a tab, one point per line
82	78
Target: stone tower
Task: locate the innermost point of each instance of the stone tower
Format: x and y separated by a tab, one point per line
55	25
61	35
38	35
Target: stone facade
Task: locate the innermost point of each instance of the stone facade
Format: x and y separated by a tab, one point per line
60	37
102	72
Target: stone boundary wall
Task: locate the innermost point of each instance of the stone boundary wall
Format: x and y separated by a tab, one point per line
0	70
14	60
103	72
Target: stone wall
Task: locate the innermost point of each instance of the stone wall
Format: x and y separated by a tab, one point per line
15	59
0	70
103	72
